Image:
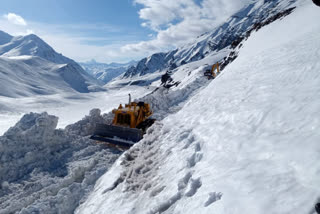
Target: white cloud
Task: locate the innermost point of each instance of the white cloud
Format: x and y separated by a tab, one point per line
15	19
157	13
179	22
14	29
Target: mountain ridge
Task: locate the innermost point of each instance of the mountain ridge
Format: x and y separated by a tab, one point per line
219	38
31	54
106	72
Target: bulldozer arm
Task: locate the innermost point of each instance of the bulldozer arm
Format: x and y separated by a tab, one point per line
117	135
210	73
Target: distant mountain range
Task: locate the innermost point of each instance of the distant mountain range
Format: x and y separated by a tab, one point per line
106	72
29	66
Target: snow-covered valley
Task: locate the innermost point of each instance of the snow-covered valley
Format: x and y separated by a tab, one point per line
244	142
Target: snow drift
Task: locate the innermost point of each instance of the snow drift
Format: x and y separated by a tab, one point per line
49	170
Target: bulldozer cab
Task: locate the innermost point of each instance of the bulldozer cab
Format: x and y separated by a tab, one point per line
132	115
124	118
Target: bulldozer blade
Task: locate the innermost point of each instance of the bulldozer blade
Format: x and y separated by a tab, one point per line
117	135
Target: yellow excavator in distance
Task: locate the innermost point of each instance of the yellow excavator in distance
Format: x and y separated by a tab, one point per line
210	73
128	126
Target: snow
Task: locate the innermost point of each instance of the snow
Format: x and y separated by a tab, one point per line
246	143
164	101
69	107
47	170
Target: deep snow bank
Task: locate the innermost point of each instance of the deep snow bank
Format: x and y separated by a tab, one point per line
247	143
49	170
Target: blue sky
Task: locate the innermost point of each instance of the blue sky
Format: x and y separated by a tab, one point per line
113	30
112	18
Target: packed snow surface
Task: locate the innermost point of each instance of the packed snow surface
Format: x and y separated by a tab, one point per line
247	143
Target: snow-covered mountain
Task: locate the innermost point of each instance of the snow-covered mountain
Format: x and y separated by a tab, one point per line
29	66
106	72
4	37
225	35
245	142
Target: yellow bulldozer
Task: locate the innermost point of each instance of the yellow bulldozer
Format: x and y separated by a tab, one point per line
210	73
128	126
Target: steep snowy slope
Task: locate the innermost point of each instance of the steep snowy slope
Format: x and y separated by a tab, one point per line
4	38
18	78
29	66
223	36
30	75
247	143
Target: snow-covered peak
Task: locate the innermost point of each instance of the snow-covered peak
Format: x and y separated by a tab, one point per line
31	45
30	66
